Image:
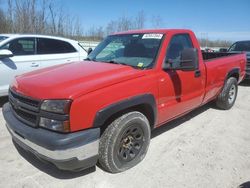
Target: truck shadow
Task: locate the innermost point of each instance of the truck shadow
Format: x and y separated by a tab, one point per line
174	123
49	168
3	100
245	83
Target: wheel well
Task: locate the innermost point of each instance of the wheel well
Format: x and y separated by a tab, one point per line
234	73
145	109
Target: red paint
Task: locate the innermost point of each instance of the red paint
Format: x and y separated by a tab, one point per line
93	86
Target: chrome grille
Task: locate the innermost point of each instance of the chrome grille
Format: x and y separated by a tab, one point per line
25	109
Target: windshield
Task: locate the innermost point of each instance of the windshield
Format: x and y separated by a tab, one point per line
240	46
2	38
136	50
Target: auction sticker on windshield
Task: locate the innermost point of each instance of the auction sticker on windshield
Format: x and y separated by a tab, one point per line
152	36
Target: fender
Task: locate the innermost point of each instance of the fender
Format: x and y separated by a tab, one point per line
104	114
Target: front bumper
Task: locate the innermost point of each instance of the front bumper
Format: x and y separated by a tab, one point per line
71	151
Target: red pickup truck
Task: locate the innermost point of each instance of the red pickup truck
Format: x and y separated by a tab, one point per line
103	109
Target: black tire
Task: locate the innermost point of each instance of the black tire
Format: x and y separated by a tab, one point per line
228	95
125	142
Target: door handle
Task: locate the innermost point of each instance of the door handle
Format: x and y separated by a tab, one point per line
34	65
197	73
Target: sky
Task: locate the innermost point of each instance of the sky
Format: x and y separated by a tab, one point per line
213	19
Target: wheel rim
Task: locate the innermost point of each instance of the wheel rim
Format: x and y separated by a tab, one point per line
130	144
232	94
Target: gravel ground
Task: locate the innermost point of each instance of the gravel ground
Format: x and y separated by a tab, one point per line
206	148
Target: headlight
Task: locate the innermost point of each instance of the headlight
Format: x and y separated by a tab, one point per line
56	106
61	126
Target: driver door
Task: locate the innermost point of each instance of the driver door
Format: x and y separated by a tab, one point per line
179	91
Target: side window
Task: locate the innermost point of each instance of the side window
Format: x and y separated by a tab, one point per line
177	44
52	46
22	46
232	48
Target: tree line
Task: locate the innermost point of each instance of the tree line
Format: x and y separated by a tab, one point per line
38	16
214	43
47	17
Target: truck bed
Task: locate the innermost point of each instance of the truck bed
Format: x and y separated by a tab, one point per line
212	55
218	65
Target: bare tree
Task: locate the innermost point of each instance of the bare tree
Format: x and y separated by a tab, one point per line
2	22
125	23
53	19
10	16
38	16
95	33
140	20
157	21
214	43
41	18
111	27
78	31
47	17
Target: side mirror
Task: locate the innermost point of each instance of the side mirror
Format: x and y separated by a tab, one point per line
5	54
89	50
189	59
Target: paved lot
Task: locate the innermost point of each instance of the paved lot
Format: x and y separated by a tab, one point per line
206	148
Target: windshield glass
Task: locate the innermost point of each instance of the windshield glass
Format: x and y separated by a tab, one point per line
2	38
240	46
136	50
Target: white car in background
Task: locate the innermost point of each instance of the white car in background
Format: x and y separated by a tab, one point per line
23	53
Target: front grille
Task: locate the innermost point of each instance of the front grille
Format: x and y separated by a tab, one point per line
25	100
25	109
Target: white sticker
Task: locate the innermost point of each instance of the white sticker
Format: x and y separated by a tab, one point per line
152	36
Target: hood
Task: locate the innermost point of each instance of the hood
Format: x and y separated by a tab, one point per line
73	79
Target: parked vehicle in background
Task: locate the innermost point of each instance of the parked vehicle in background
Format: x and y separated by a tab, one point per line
105	108
208	50
242	46
223	50
23	53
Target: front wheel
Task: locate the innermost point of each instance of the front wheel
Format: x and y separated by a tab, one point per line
227	97
125	142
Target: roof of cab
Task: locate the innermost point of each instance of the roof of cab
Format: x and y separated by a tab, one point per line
163	31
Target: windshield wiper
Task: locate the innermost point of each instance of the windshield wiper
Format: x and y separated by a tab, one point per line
115	62
88	59
121	63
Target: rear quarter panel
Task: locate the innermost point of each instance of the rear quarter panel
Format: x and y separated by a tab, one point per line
217	72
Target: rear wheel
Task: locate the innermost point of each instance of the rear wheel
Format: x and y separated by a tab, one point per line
227	97
125	142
